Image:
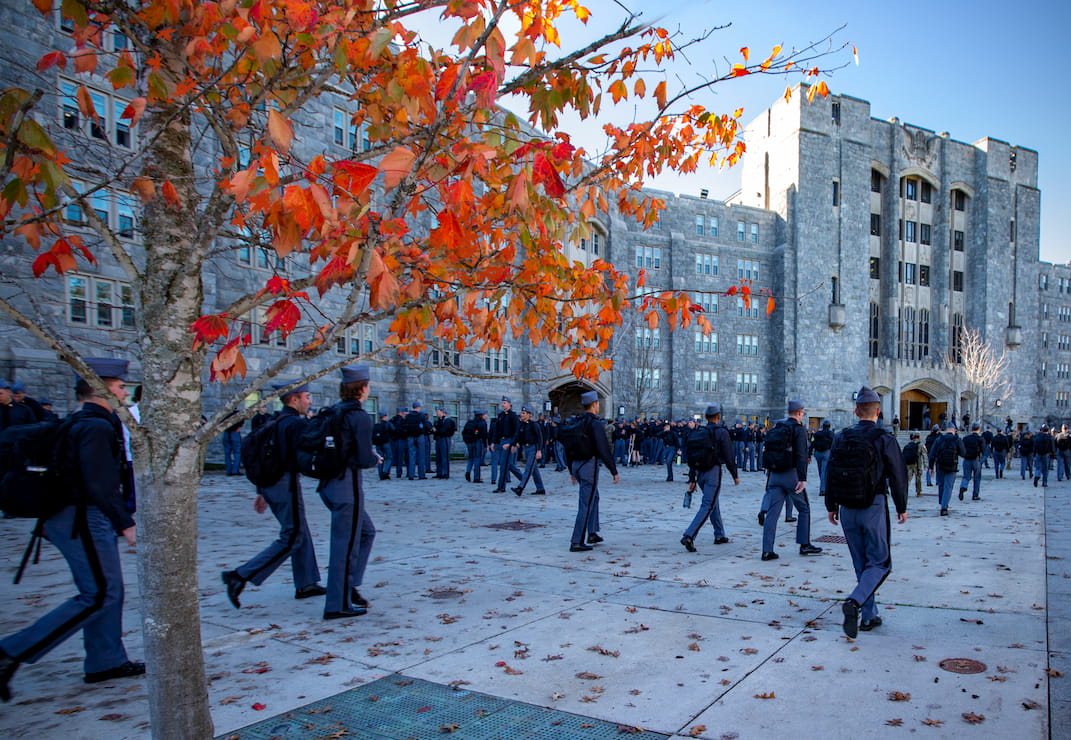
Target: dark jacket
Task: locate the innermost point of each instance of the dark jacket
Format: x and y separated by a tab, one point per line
444	427
943	440
15	414
596	427
357	435
724	446
507	424
97	456
529	433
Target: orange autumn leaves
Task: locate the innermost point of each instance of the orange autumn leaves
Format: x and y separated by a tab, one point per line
451	213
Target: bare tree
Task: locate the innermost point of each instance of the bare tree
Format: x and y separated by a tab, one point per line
983	370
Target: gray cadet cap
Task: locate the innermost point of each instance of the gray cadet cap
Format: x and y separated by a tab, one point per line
867	395
976	426
18	387
589	397
826	423
713	409
795	405
108	367
303	388
353	373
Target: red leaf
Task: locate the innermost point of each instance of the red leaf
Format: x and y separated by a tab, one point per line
546	175
335	272
485	85
731	290
423	709
769	305
208	329
258	706
282	315
170	194
134	110
277	285
354	177
395	166
51	60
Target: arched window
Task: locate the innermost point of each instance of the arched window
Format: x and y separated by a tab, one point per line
924	333
907	334
957	337
875	327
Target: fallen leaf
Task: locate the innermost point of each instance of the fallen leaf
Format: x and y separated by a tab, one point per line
894	722
933	722
588	676
71	710
1031	704
603	651
1052	672
899	696
817	668
423	709
447	729
767	695
230	700
258	706
919	658
694	647
973	719
697	730
553	657
111	717
1002	679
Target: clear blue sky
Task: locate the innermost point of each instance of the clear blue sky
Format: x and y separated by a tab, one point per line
973	69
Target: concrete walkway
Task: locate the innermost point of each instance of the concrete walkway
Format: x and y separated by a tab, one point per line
477	592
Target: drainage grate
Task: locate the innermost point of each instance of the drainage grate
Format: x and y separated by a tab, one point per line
514	526
962	665
833	538
398	707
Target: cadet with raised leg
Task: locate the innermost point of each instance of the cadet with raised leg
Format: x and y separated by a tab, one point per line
709	448
865	466
785	457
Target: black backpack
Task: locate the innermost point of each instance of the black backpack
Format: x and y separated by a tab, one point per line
946	454
778	455
852	475
823	440
1063	442
911	453
321	450
1043	444
972	445
262	454
35	479
700	448
575	438
468	432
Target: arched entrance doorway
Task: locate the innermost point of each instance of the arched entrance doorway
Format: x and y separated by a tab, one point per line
565	399
923	402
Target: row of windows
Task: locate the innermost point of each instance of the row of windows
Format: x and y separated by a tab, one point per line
706	264
706	225
107	125
349	135
915	232
1063	313
747	270
1063	343
649	377
706	381
99	302
649	258
114	41
709	225
707	301
115	209
357	340
747	344
747	383
1063	399
917	189
911	274
496	361
706	343
593	242
1063	370
749	311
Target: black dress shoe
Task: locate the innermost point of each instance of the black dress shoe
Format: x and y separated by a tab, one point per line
580	548
468	477
868	624
357	600
540	492
762	518
770	556
307	592
944	512
235	583
961	493
721	540
478	480
126	670
499	490
851	617
790	519
517	490
594	539
688	542
810	549
346	613
8	666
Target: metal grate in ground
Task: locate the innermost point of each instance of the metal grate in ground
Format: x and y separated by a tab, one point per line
832	538
397	708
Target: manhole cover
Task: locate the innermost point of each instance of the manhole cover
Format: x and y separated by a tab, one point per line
835	538
515	526
446	593
962	665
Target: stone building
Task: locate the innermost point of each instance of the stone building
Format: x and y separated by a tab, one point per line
881	240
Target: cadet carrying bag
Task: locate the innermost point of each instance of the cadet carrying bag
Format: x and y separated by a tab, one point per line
575	437
778	455
320	450
911	453
468	432
946	454
700	448
35	481
972	445
262	455
852	472
1043	444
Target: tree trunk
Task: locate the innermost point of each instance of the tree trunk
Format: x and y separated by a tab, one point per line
169	453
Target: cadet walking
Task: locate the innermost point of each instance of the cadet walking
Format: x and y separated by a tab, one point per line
584	469
709	448
352	531
287	503
530	439
785	457
865	466
84	533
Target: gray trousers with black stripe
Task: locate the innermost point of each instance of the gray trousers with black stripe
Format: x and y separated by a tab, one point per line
294	541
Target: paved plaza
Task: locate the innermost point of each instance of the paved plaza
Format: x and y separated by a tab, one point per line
483	624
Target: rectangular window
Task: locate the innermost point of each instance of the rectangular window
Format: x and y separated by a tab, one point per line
911	231
957	241
340	127
713	225
699	224
1063	399
909	273
77	299
911	189
707	301
706	264
754	233
647	338
108	124
594	242
875	181
740	231
442	356
706	381
927	192
649	377
835	113
836	194
924	276
752	312
747	344
1011	231
747	383
706	344
875	224
99	302
957	281
875	268
496	361
1063	343
959	200
925	233
649	258
747	270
